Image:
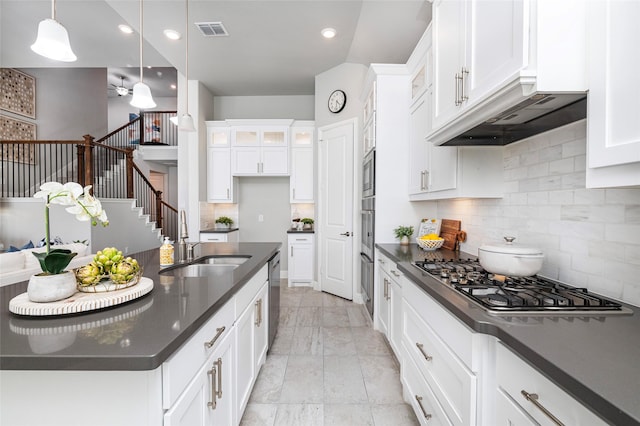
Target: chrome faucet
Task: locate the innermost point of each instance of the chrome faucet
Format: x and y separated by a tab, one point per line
184	236
190	247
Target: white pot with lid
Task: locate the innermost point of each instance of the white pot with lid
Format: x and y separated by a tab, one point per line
510	259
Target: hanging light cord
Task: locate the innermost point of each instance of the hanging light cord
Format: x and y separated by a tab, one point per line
186	39
141	30
53	9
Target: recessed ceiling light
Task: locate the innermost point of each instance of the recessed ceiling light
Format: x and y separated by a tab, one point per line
328	33
172	34
173	86
125	29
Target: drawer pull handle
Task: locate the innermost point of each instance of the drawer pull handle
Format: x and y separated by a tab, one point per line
533	398
424	354
424	413
219	362
212	374
258	321
396	273
212	342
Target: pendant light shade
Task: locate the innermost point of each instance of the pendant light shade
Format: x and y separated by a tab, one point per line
53	40
142	96
186	123
141	93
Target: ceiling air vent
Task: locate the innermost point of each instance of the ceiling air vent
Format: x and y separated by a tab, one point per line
212	29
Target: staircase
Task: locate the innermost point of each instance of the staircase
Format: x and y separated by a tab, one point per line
106	164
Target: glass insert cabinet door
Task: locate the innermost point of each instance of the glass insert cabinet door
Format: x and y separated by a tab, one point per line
257	137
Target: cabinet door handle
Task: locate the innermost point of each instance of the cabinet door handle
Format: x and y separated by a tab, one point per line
291	250
212	342
294	193
396	273
422	188
386	288
424	354
424	413
228	193
533	398
463	72
381	261
426	180
458	79
258	167
219	362
258	321
212	375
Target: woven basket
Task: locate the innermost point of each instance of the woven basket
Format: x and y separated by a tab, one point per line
430	244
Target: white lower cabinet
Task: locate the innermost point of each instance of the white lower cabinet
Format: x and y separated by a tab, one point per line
388	296
525	396
251	347
209	380
208	399
300	261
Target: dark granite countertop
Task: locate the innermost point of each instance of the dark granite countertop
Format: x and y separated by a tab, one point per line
295	231
218	230
594	358
138	335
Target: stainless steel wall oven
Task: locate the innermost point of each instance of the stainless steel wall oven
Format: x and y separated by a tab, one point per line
367	234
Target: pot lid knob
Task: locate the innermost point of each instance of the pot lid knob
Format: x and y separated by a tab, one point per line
509	240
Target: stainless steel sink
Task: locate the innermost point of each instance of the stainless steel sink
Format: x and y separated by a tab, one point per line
215	266
223	260
203	270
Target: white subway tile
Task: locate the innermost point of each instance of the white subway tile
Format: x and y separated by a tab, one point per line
575	212
622	196
529	158
574	148
606	287
631	293
619	270
574	180
562	166
561	197
538	170
580	163
529	185
549	212
587	264
589	196
622	233
604	249
575	245
632	214
631	253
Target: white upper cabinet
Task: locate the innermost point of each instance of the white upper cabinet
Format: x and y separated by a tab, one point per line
259	147
613	128
221	185
369	121
490	55
302	163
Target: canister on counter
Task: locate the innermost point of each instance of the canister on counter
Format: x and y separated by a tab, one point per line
166	253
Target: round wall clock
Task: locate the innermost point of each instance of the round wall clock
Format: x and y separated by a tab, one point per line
337	101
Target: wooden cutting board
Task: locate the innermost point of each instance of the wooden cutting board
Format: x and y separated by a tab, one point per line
449	230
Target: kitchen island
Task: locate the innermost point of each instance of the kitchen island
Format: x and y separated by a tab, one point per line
127	349
592	357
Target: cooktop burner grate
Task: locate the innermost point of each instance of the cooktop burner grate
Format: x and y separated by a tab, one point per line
498	293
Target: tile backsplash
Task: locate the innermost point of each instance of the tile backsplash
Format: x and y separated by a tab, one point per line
590	237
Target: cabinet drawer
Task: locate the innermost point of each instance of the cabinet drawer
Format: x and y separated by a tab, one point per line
181	367
428	410
450	330
250	289
513	375
452	382
208	237
300	238
509	413
385	263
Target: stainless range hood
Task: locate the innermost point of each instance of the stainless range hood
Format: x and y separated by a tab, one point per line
534	115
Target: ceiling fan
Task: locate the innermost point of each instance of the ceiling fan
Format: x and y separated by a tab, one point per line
121	90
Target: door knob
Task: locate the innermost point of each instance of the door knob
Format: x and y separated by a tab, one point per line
346	234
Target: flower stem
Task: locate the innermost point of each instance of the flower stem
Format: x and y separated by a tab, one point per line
46	225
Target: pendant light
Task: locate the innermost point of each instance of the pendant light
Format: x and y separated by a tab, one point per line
185	123
53	40
141	93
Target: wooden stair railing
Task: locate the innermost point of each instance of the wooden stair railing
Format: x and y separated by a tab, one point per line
28	164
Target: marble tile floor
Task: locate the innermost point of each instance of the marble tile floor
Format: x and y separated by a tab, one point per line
327	367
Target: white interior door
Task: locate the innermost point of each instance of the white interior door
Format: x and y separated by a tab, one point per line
335	181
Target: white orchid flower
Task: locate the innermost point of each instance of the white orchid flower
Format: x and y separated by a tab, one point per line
57	193
87	207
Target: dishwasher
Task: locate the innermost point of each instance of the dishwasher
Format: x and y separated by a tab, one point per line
274	296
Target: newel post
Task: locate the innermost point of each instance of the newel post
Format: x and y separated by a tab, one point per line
159	208
87	161
129	172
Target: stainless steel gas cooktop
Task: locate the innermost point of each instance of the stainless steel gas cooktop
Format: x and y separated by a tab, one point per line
500	294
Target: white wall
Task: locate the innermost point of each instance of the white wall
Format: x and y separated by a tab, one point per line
70	102
346	77
239	107
269	197
590	237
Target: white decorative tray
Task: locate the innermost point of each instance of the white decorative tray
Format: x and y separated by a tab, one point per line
80	302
